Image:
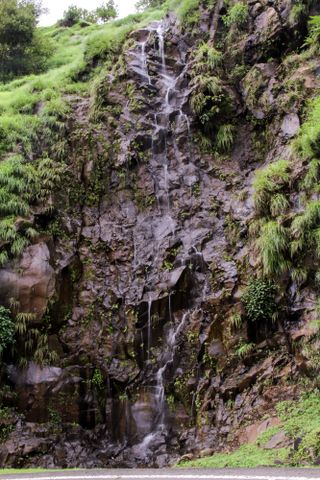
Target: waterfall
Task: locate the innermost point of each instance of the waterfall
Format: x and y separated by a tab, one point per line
161	46
144	63
167	359
168	120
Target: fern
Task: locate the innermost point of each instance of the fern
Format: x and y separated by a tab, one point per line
224	138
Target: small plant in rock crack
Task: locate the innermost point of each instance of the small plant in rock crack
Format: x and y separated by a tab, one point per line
97	379
244	349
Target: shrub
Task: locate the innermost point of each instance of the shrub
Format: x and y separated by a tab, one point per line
22	48
7	329
237	15
259	300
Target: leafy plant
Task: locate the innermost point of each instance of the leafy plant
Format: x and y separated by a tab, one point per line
244	349
7	329
259	300
237	15
97	379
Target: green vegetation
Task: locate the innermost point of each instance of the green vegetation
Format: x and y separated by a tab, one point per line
268	184
299	420
23	49
7	329
259	300
247	456
313	38
73	15
273	245
237	15
33	113
186	10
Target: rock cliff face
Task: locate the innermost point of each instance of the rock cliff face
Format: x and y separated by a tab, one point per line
139	286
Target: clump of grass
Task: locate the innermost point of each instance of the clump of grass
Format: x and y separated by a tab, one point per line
269	182
305	229
308	141
312	176
273	247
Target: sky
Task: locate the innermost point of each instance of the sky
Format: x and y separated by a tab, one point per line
57	7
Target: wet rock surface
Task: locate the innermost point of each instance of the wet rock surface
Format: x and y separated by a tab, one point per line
142	286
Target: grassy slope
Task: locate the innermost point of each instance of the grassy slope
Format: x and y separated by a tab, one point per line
299	420
33	112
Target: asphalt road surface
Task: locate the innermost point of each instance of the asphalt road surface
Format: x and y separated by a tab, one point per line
173	474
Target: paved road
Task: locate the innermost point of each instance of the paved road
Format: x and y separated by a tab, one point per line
174	474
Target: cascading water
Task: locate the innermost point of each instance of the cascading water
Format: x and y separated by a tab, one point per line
157	75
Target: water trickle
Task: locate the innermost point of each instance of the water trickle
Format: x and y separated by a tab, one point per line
149	326
167	359
161	46
169	306
144	63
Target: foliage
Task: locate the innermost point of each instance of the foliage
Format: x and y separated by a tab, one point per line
7	329
73	15
305	229
209	99
300	420
23	50
186	10
237	15
244	349
307	142
224	137
273	245
314	31
97	379
106	11
298	10
247	456
269	182
206	57
142	5
259	300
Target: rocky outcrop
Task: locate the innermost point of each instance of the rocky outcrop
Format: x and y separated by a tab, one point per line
139	287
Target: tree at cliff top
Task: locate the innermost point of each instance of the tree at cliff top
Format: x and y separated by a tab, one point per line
143	4
105	12
22	48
